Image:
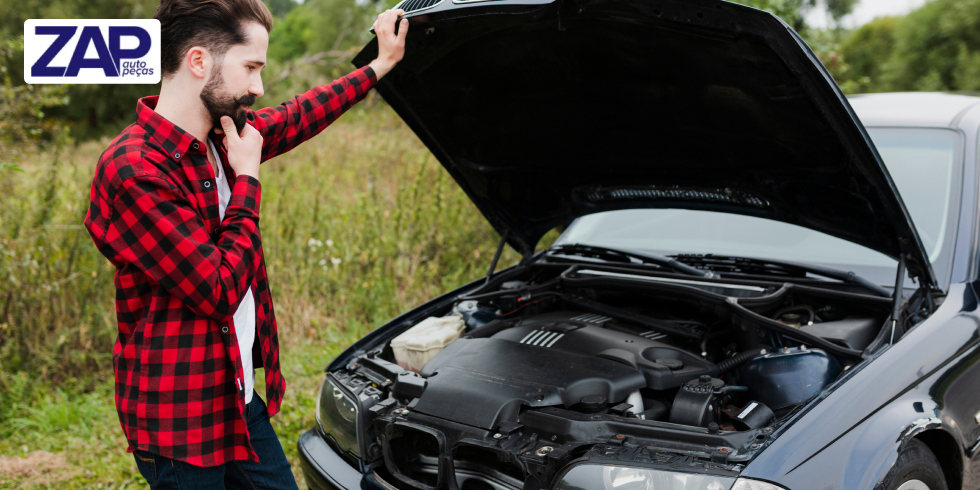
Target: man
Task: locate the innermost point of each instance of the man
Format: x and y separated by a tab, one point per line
175	207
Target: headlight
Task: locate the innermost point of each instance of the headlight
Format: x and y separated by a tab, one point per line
746	484
632	478
337	415
604	477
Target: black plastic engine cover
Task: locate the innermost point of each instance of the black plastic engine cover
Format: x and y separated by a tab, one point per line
483	382
664	366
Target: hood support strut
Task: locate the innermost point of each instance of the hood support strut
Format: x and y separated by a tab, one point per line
897	295
496	256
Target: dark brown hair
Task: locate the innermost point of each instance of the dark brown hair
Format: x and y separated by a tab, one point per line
213	24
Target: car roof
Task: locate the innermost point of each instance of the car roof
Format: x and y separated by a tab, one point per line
912	109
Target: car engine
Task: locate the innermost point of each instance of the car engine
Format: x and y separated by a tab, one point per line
549	364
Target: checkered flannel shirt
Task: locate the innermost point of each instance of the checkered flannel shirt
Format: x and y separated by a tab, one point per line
181	274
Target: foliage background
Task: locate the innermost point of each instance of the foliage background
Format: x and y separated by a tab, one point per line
360	224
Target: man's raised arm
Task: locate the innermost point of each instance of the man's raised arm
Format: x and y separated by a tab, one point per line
298	119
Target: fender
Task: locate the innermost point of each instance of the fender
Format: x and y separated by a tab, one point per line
879	441
867	453
861	422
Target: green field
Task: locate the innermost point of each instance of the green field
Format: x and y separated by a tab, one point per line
359	224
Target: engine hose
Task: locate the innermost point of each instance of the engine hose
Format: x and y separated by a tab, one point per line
711	336
489	329
740	358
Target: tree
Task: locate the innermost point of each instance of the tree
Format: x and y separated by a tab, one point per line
315	43
838	9
22	115
866	49
922	58
280	8
934	48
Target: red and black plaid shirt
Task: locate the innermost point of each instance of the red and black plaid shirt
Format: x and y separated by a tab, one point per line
181	274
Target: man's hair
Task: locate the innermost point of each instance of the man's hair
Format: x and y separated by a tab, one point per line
213	24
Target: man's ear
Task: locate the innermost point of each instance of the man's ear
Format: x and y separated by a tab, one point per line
198	60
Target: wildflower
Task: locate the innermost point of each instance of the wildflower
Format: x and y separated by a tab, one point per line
323	261
330	243
335	261
314	243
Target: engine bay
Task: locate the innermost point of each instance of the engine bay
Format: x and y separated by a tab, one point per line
550	363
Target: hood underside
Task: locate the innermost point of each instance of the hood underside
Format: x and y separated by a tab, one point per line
544	112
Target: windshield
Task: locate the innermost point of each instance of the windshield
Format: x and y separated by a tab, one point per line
922	162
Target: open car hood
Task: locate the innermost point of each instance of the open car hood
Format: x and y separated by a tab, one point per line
544	111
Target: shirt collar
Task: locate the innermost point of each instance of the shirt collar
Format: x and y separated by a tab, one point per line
175	141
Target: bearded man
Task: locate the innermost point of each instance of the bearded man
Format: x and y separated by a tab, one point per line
175	208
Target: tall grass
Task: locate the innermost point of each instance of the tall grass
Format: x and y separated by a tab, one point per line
359	224
56	314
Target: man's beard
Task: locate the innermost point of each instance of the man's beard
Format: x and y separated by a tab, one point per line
218	103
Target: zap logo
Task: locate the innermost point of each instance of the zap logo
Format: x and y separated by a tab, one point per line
92	51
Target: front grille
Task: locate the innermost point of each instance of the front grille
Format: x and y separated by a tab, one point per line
412	456
410	6
486	469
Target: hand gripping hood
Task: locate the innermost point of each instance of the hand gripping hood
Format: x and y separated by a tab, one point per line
547	111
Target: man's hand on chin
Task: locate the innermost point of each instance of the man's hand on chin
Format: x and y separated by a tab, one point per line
391	46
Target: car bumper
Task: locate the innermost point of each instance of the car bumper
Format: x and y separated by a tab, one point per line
324	469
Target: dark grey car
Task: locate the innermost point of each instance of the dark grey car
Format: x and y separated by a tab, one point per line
745	296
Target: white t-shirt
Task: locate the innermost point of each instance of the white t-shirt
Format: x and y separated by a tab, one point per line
245	314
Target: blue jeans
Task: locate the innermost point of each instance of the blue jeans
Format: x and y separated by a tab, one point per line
272	473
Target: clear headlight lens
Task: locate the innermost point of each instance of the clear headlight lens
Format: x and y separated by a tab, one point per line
337	415
746	484
632	478
603	477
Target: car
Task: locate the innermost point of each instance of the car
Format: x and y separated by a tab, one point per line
743	295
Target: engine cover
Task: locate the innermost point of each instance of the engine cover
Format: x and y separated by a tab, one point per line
483	382
553	359
664	366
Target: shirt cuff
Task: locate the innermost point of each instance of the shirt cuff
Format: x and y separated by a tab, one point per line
365	79
369	72
245	197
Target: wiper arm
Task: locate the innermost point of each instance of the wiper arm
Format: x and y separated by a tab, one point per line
829	272
614	255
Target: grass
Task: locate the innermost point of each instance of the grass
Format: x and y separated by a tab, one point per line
358	225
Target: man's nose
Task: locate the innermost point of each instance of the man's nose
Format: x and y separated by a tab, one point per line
256	88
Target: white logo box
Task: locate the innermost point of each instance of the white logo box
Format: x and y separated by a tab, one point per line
95	51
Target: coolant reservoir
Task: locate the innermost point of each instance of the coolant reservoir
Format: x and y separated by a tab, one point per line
422	342
789	376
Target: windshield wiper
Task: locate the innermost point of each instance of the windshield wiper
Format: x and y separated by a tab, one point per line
745	265
625	256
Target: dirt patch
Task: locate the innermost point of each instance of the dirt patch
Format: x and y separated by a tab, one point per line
37	469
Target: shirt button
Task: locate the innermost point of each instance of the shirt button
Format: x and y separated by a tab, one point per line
177	156
196	145
224	329
207	183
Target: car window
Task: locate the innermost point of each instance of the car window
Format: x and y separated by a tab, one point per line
922	163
